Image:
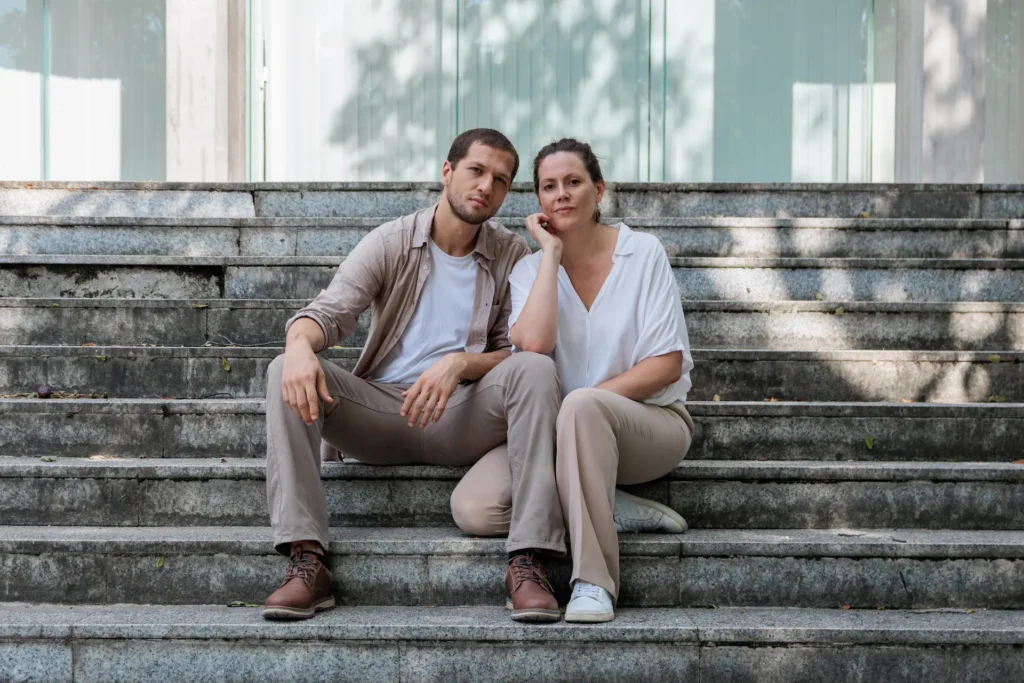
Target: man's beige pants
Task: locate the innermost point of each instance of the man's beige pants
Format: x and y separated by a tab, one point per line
604	440
516	401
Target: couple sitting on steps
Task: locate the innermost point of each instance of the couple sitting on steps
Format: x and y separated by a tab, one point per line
557	375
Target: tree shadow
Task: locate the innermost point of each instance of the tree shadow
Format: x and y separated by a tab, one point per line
534	72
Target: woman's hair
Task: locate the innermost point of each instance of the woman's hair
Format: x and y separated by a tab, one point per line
573	146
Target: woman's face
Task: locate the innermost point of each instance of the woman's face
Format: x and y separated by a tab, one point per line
566	193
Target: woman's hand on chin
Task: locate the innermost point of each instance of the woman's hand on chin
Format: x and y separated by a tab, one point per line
544	237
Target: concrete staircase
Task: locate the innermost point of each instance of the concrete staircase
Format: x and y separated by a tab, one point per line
855	506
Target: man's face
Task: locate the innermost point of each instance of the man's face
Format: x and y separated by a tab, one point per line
477	185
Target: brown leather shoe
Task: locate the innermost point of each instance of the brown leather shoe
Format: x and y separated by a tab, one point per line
527	591
306	589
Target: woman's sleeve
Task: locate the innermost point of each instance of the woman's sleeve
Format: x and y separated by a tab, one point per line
663	328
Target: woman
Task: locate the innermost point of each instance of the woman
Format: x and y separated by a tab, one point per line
602	299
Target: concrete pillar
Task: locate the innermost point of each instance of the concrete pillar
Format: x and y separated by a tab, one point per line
206	90
940	91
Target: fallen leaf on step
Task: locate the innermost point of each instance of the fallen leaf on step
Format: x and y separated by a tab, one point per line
771	400
200	306
840	312
101	457
899	540
906	400
225	364
160	563
996	399
239	603
869	441
994	358
1017	462
819	296
862	214
716	397
89	344
101	358
844	607
54	305
48	458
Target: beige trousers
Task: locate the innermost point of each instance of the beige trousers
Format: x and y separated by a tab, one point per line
516	401
603	440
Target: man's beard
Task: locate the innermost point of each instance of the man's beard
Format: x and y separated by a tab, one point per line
464	215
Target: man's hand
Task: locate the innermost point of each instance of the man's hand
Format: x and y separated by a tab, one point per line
302	379
426	399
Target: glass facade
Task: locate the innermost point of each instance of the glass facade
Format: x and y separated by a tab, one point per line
363	90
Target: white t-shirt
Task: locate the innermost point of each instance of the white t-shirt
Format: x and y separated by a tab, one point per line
637	315
440	323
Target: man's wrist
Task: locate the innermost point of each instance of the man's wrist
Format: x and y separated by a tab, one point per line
460	361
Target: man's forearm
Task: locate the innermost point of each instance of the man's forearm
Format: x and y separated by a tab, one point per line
473	366
306	329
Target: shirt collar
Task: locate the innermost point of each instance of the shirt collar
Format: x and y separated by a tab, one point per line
425	218
624	244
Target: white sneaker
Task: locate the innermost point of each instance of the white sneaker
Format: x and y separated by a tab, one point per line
589	604
633	513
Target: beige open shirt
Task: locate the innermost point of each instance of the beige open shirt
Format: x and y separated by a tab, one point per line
386	272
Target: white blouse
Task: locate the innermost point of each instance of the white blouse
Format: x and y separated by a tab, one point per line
637	315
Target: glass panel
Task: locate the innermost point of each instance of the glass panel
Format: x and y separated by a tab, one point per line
21	65
539	70
107	90
761	91
1004	92
358	90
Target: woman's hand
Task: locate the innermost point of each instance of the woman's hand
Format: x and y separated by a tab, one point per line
544	237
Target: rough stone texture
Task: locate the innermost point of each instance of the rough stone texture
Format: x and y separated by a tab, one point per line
807	325
201	282
551	662
813	326
867	583
55	322
700	279
38	662
169	241
198	660
724	431
735	375
898	569
276	282
89	502
153	201
785	664
721	237
792	505
794	201
1003	204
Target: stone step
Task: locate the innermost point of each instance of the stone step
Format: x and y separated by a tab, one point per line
710	494
142	643
733	430
889	568
733	375
693	237
779	325
238	200
728	278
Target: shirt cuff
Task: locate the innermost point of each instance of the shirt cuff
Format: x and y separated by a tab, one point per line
315	317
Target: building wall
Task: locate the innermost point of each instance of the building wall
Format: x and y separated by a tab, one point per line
706	90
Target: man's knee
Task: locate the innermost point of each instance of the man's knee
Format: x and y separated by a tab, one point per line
479	515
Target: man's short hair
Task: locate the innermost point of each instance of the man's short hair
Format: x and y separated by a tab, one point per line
485	136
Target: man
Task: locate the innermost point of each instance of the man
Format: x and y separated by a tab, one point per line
435	383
